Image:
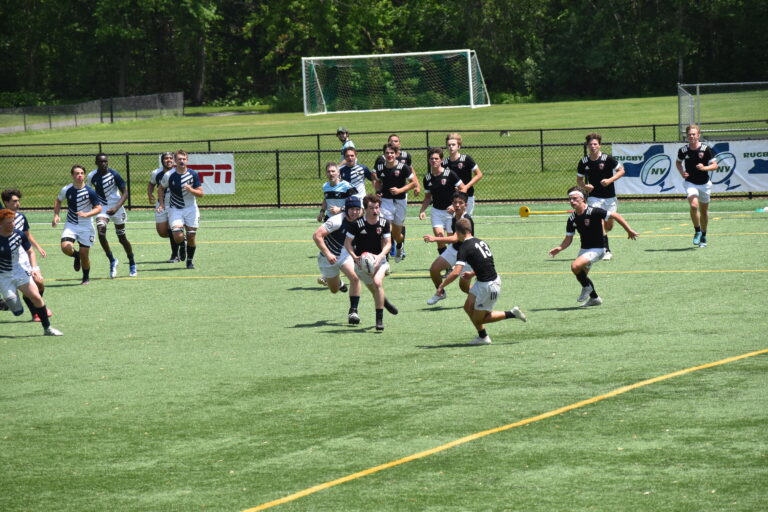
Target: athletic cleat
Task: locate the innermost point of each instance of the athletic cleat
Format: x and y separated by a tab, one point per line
480	341
392	250
113	268
390	307
35	317
353	318
518	314
343	288
48	312
173	260
703	242
585	291
50	331
183	252
321	281
76	264
697	238
379	326
132	271
85	281
437	298
400	255
596	301
190	265
607	256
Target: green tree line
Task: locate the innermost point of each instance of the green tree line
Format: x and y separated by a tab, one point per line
239	50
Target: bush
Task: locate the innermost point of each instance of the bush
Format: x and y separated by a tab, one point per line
25	99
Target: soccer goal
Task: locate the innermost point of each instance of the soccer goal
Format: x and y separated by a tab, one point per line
395	81
709	105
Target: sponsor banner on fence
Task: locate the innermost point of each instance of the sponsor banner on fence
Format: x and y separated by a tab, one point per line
742	166
216	171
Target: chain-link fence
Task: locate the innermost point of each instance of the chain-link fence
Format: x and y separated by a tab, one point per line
109	110
280	171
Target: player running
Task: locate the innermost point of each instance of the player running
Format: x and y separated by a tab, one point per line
694	161
161	218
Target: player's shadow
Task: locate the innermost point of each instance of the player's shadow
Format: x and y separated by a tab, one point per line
674	249
570	308
162	269
431	309
316	288
464	345
70	282
319	323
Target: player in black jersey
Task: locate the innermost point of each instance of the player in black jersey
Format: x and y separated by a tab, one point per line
439	186
588	221
485	292
694	161
396	179
596	174
464	166
371	234
447	258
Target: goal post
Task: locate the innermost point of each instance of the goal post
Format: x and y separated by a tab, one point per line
706	105
394	81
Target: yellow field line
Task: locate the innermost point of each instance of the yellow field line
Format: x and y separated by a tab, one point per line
478	435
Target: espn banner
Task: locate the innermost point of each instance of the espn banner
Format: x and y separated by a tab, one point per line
742	166
216	171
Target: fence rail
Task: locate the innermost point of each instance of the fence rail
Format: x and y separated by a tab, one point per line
529	165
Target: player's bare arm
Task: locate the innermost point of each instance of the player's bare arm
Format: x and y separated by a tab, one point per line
563	246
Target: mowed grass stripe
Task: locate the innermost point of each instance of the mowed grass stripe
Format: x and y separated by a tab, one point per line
484	433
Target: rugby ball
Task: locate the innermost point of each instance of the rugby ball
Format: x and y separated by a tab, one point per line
367	263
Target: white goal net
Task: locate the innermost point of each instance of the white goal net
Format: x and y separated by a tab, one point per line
396	81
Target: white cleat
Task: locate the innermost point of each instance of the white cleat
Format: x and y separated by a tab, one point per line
585	291
321	281
50	331
518	314
436	298
607	256
592	302
480	341
113	268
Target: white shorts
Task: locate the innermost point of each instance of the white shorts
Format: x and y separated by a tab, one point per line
161	217
119	217
703	192
470	205
332	270
593	255
449	255
84	233
187	216
441	219
9	281
367	279
486	293
24	260
609	204
394	210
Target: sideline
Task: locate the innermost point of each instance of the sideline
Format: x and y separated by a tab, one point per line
478	435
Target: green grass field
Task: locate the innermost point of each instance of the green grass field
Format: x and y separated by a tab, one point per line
240	383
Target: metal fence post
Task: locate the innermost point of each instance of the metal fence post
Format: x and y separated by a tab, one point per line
319	172
541	146
128	178
654	133
277	175
426	136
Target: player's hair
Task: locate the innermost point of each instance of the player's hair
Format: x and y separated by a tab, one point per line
464	227
455	136
102	155
579	190
76	166
331	164
432	151
166	153
5	213
692	126
460	195
391	146
593	135
371	198
392	135
9	193
350	148
180	152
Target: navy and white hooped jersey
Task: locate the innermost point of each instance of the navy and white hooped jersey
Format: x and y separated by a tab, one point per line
589	225
173	181
9	249
78	200
108	186
356	176
156	177
336	195
597	170
464	166
337	226
20	222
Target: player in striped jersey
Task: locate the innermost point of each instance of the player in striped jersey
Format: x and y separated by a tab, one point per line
335	192
596	174
14	276
464	166
161	218
343	135
588	221
12	201
355	173
333	257
183	214
112	192
82	205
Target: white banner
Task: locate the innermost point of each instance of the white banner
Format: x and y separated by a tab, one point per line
216	171
650	168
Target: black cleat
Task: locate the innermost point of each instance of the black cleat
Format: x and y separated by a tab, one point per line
76	264
390	307
379	325
183	252
343	288
174	259
353	318
190	265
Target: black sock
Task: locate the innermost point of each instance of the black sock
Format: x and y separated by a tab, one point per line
354	302
482	333
86	274
605	243
508	314
43	314
191	252
111	258
76	254
30	306
130	259
441	250
399	245
696	229
379	315
583	279
703	233
174	248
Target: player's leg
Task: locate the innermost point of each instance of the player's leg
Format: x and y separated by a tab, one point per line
30	290
348	269
101	231
398	239
191	216
693	208
580	268
164	231
704	198
123	239
85	263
